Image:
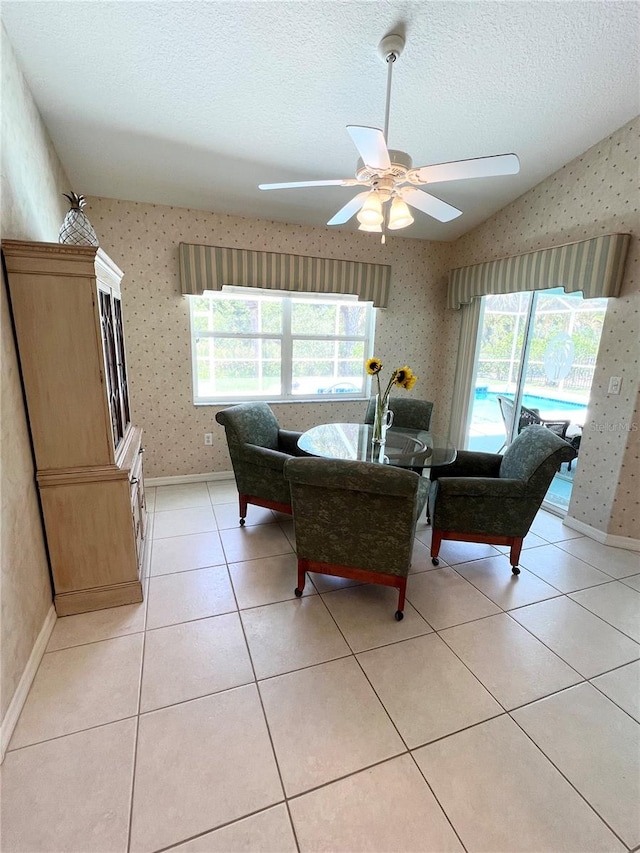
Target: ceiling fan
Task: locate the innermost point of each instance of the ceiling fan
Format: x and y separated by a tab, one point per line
392	182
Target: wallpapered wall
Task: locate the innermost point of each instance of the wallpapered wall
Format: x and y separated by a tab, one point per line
143	240
596	193
32	209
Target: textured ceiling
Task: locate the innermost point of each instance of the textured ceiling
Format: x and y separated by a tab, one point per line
195	103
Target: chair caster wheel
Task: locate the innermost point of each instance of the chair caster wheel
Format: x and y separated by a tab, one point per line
435	561
515	570
399	615
242	522
298	592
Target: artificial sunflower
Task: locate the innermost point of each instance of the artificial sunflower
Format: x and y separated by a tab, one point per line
374	366
402	377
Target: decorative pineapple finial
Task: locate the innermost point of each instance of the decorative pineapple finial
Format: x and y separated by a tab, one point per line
76	228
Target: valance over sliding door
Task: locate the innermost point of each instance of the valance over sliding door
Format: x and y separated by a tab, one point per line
211	267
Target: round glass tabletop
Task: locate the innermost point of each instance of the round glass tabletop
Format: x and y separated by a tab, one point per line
405	448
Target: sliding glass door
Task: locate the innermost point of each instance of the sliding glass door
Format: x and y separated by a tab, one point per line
536	355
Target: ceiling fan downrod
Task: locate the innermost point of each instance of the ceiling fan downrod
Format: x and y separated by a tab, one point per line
389	49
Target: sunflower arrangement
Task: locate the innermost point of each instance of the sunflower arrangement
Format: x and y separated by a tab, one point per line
402	377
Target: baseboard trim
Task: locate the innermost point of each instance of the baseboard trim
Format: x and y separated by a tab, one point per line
151	482
600	536
20	696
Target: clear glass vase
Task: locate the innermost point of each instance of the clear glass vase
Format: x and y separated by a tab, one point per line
382	420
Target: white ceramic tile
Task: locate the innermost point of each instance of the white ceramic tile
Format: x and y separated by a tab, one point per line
453	552
531	540
71	793
182	496
513	666
550	528
97	625
427	691
193	659
633	582
494	578
189	595
199	765
616	562
222	491
289	531
384	808
183	553
583	640
607	774
228	515
421	558
325	722
182	522
264	581
616	603
561	569
291	634
67	695
366	616
502	794
622	686
329	583
251	543
266	832
443	598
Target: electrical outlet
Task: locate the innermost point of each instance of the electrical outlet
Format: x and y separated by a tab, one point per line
615	384
208	439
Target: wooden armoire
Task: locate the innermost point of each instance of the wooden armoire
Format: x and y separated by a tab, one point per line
67	314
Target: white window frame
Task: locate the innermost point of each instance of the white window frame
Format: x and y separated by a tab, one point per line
286	351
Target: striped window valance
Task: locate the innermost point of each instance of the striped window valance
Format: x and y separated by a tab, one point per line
210	268
593	266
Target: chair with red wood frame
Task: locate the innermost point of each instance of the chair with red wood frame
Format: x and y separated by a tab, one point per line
355	520
486	497
258	450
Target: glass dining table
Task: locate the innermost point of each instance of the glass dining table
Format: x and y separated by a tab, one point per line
404	448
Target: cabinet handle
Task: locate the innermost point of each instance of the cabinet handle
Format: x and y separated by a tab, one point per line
134	480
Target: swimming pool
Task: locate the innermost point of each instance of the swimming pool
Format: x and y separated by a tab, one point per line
532	401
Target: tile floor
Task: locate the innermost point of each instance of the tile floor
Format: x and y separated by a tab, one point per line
224	714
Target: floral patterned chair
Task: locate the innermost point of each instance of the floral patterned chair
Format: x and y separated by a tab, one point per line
355	520
487	497
259	450
408	413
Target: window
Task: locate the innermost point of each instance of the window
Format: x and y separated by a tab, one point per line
263	345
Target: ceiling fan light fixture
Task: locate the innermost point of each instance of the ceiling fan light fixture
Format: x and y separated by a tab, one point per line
399	215
376	229
371	211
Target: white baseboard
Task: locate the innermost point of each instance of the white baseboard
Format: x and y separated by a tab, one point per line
151	482
20	696
600	536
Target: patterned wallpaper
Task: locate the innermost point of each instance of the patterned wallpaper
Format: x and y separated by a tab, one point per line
596	193
32	209
416	328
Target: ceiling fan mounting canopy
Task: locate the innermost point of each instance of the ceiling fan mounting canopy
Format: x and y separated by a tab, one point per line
392	181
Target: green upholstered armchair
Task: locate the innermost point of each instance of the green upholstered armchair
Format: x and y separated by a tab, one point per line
258	450
408	413
486	497
355	520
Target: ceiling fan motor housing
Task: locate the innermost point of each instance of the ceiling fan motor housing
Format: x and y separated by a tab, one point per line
401	163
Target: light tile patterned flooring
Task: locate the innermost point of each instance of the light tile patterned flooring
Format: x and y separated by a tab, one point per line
223	714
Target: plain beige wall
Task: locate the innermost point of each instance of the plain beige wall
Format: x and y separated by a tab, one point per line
32	209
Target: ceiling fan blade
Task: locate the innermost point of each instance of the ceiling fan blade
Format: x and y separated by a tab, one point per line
340	182
429	204
371	146
479	167
350	209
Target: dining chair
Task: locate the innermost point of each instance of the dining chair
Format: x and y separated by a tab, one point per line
493	498
259	450
355	520
407	412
